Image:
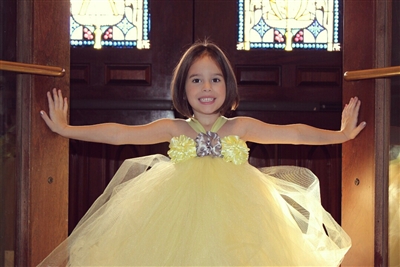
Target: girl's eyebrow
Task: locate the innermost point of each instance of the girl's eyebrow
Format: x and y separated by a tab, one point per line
214	74
193	75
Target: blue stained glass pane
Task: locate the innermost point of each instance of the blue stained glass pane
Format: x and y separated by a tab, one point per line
125	25
288	25
315	28
129	28
261	27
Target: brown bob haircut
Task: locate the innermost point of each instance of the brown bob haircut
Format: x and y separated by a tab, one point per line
196	51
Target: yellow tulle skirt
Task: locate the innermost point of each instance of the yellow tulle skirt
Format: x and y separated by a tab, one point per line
394	212
205	212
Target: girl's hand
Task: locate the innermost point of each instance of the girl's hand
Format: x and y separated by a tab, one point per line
349	119
58	111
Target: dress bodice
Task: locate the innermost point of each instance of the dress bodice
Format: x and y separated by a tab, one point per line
207	143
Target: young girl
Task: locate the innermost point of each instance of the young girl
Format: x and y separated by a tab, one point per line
205	204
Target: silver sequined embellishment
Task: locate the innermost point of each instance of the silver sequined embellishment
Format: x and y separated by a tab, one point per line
208	144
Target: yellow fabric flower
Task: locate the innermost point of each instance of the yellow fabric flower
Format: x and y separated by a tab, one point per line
234	150
181	148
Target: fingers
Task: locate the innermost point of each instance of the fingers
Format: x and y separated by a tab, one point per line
60	99
352	108
50	101
350	117
46	118
56	118
351	112
354	103
65	110
358	129
56	100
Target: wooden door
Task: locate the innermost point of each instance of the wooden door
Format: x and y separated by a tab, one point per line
277	87
367	30
41	157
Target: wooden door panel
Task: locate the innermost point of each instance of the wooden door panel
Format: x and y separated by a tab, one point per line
297	78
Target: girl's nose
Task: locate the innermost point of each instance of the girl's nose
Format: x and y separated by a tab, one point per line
207	86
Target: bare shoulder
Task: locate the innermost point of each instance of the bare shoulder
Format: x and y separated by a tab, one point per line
239	125
247	127
174	127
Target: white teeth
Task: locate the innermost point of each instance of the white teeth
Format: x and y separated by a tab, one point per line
206	99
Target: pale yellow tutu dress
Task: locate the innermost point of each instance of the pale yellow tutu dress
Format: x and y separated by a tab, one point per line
206	206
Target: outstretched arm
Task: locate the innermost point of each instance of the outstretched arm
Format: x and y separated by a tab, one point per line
109	133
260	132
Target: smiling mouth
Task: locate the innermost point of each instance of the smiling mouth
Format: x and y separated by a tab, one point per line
206	100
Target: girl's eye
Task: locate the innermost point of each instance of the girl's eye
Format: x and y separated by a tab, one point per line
216	80
196	80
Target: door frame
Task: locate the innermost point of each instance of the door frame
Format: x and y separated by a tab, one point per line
42	156
367	45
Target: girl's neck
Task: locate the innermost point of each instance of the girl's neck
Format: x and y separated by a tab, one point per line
207	121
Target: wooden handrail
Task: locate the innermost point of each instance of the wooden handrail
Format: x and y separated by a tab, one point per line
31	68
371	73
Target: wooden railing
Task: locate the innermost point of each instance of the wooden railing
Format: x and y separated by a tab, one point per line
31	68
371	73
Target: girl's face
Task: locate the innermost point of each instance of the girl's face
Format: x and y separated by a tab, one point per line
205	86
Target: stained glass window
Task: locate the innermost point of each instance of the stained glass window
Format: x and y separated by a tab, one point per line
288	24
112	23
